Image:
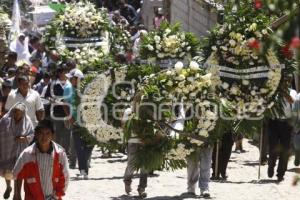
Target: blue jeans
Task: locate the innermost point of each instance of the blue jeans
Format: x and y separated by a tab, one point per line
199	169
83	150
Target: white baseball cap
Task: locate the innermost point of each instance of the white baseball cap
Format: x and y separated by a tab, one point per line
75	73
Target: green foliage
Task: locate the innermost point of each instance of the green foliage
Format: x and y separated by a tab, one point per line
119	40
135	75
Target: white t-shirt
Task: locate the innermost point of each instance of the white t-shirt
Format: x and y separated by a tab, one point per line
32	101
126	116
179	123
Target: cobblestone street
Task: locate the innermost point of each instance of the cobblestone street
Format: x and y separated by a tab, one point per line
106	181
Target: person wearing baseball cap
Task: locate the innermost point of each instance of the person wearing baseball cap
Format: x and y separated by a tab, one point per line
75	73
82	148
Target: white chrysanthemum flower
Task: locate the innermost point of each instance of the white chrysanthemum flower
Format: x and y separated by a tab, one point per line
203	133
167	31
194	66
181	77
214	48
170	83
225	85
178	66
232	42
169	73
160	55
245	82
234	90
197	142
150	47
156	38
264	31
263	90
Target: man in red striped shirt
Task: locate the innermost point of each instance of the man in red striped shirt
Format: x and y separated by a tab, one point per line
42	182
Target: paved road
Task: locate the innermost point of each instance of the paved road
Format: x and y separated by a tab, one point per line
105	181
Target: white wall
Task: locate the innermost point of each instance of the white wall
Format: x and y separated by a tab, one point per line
148	11
194	16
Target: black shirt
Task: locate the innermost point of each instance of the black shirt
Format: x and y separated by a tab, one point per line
58	91
129	13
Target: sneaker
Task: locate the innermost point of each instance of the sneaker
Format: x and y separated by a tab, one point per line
85	176
205	193
215	178
270	172
82	175
142	193
280	179
7	192
224	176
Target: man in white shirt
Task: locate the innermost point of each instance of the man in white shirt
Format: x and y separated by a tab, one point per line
29	97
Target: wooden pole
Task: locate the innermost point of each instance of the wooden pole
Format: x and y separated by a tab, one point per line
260	147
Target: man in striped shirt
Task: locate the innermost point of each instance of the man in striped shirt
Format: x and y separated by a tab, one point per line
41	181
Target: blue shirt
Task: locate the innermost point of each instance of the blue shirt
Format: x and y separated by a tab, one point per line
70	98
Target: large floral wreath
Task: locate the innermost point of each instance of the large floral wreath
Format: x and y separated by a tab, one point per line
250	71
183	95
105	97
79	32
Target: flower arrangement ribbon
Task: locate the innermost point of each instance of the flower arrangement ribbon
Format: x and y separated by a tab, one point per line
76	45
91	39
165	63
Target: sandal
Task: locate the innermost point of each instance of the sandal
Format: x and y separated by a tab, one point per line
7	192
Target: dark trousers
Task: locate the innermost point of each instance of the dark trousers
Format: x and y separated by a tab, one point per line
62	135
83	151
225	148
279	145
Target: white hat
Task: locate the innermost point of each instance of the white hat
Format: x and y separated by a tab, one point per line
143	32
160	11
75	73
21	34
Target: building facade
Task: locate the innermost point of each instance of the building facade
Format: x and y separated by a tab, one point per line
197	16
